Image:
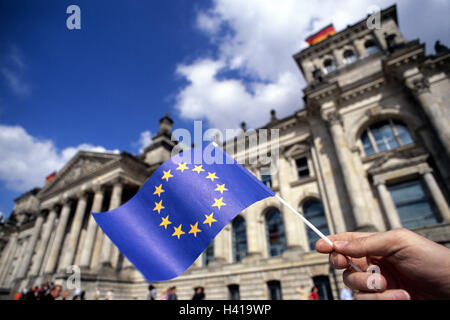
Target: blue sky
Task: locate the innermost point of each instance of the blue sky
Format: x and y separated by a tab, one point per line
104	87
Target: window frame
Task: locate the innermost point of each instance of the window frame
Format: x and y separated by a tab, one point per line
333	63
235	250
282	236
392	124
352	56
297	169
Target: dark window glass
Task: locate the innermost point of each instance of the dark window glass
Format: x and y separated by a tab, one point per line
313	211
403	133
413	205
266	177
384	136
302	168
274	290
371	46
239	235
349	56
208	254
323	284
233	290
329	65
275	233
367	144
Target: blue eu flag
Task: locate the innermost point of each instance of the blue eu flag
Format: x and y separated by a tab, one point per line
179	210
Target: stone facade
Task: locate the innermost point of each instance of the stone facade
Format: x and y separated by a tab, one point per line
335	154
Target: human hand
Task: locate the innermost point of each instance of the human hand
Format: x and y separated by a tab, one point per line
412	267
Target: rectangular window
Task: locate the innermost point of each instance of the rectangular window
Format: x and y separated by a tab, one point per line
274	290
266	177
233	290
413	205
208	254
302	168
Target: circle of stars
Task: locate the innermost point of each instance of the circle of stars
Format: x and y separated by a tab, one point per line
194	228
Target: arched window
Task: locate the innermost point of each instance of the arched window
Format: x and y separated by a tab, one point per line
313	211
384	136
371	46
329	65
239	236
349	56
276	239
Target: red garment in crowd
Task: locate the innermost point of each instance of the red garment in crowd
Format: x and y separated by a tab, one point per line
18	296
313	296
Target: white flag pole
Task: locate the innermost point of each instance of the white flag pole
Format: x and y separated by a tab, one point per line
317	231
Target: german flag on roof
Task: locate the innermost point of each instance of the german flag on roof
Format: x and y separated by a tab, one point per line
321	35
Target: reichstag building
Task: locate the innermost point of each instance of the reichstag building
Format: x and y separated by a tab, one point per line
369	151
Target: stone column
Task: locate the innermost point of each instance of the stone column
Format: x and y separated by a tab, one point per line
388	204
91	232
296	238
420	88
436	194
44	242
12	246
107	247
31	246
59	238
75	231
221	245
253	239
351	178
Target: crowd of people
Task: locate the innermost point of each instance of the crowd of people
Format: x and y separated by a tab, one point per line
47	292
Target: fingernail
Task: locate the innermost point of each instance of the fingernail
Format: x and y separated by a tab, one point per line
401	295
340	244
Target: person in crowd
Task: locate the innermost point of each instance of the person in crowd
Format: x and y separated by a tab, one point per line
151	293
79	294
303	294
411	266
172	294
18	295
53	294
165	294
314	295
199	293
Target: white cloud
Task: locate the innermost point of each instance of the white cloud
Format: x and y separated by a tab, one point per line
13	71
255	42
26	161
145	139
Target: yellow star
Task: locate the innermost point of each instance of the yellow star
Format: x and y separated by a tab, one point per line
165	222
158	206
167	175
158	190
182	167
209	219
221	188
212	176
198	169
195	229
218	203
178	232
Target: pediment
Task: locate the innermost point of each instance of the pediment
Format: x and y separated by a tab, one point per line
297	149
396	160
81	165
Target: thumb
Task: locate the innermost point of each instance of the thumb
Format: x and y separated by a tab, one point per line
379	244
